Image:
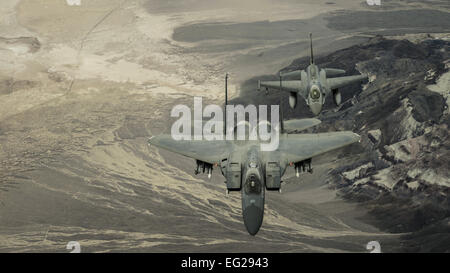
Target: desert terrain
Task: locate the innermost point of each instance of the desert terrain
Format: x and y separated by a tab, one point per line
82	87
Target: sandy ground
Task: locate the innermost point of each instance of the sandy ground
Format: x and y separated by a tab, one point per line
78	103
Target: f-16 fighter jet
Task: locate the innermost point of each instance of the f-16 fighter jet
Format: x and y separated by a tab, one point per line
251	170
314	85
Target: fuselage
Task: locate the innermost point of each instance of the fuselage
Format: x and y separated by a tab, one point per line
315	90
313	84
252	192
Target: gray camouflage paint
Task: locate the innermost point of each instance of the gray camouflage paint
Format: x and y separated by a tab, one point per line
292	149
313	86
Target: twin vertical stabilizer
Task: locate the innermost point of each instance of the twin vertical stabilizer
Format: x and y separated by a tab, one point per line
312	55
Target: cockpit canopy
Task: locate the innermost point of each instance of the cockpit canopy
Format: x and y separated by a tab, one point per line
315	92
252	185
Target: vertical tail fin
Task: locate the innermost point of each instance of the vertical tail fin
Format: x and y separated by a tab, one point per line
312	55
281	86
281	118
225	106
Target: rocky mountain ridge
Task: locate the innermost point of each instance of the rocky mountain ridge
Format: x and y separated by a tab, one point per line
400	168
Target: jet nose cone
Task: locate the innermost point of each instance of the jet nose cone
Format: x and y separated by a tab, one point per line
315	108
253	217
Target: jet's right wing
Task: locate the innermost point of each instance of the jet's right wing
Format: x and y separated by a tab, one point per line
290	86
207	151
296	148
334	83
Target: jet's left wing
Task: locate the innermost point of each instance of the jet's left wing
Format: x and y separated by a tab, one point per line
204	150
334	83
296	148
290	86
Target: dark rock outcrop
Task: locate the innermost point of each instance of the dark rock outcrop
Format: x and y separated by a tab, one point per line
399	171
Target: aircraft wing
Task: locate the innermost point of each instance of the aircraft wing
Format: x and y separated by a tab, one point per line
291	86
207	151
334	83
297	148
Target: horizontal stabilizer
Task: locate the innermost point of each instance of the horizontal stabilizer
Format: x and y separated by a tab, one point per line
338	82
295	73
299	124
333	72
290	86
